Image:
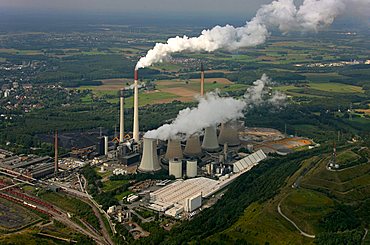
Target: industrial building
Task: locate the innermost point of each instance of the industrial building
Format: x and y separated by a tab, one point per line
186	195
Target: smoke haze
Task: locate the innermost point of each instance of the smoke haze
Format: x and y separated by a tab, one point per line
213	109
311	16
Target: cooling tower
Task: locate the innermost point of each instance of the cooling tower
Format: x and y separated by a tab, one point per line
175	168
149	160
210	142
229	134
173	150
191	169
135	135
192	147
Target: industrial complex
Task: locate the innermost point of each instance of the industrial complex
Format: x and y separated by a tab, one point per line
199	166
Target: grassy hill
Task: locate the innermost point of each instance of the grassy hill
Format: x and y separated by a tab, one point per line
332	205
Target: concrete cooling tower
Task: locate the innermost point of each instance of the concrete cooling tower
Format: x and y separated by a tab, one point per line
175	168
173	150
229	134
149	161
192	147
210	142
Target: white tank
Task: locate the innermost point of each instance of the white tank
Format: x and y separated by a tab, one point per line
193	147
149	160
191	168
229	134
175	168
173	150
210	142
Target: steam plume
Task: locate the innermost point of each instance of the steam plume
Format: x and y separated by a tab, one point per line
213	109
257	94
312	15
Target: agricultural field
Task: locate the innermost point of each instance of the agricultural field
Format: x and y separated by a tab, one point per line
165	91
326	87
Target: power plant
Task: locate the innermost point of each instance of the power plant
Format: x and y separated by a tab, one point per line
195	164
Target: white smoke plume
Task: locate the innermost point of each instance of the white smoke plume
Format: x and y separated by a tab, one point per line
211	109
214	109
312	15
257	94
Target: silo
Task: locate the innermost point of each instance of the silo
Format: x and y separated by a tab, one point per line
192	147
191	168
149	159
229	134
210	142
175	168
173	150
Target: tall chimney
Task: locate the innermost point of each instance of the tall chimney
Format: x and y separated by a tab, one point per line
136	107
56	152
149	160
201	80
121	115
106	148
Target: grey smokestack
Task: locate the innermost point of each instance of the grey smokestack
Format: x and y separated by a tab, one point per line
56	153
201	80
136	108
122	116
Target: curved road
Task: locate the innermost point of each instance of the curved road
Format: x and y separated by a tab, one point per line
364	237
294	224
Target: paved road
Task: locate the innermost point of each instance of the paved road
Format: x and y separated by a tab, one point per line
364	237
294	224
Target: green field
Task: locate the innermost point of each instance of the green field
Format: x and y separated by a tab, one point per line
327	87
336	87
261	224
112	185
345	185
120	196
305	208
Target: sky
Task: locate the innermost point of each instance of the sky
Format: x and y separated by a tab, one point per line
229	7
208	12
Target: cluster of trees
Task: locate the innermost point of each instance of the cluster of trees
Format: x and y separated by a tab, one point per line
106	199
281	77
345	224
